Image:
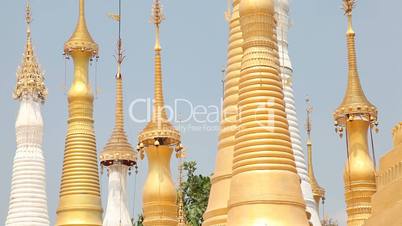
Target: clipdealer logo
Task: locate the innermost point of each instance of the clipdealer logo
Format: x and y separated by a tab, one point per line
188	116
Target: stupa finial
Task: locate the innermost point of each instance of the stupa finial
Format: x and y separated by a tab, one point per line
355	102
30	78
159	130
118	149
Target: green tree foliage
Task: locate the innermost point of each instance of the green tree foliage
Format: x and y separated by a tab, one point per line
195	194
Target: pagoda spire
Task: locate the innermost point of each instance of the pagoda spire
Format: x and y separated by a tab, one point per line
355	116
159	130
118	148
355	101
159	139
118	156
30	78
28	196
318	191
81	40
80	202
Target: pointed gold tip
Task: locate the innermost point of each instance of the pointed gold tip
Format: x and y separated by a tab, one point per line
30	78
309	111
81	39
159	129
355	101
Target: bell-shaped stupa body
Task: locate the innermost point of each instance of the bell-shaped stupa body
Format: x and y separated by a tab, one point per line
28	198
159	139
79	201
265	186
282	10
216	213
355	116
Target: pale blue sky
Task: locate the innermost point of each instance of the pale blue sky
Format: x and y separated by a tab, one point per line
194	41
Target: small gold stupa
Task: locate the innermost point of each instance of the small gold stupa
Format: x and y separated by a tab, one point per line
354	117
159	139
80	201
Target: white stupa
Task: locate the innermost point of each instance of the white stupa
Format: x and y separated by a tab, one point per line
28	201
282	9
118	156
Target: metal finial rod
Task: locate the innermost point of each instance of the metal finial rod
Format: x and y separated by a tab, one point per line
28	19
119	19
28	13
309	110
120	55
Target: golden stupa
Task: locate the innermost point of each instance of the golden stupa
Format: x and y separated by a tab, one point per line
159	139
265	187
387	201
80	202
216	213
354	117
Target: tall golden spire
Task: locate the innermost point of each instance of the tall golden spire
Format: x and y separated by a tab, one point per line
30	78
158	140
318	191
80	202
355	101
118	149
159	130
354	117
81	39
